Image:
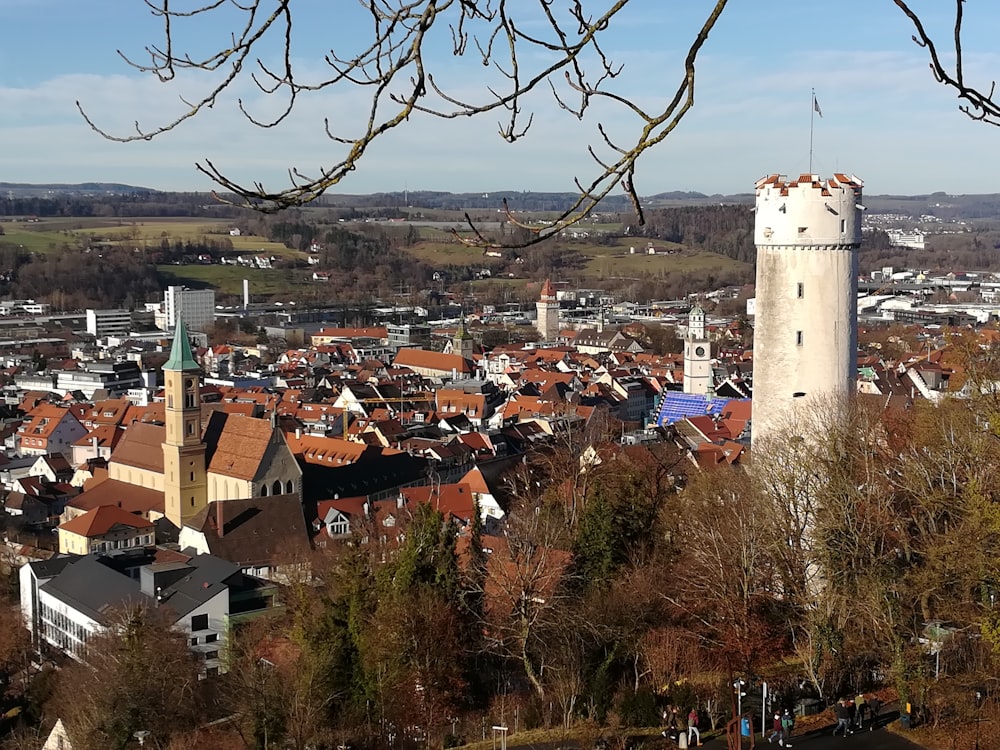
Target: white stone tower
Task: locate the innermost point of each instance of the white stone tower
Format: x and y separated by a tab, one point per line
807	232
547	310
697	354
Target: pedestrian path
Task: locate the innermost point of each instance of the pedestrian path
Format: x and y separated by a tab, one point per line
823	739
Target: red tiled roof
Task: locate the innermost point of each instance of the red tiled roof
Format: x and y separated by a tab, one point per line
100	521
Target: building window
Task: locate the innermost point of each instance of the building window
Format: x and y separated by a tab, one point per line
798	338
199	622
192	476
194	641
800	290
843	225
263	490
190	428
276	487
289	487
211	655
211	638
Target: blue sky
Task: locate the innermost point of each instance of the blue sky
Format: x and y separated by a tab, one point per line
884	118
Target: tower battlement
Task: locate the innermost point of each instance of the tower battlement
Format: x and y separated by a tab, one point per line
808	211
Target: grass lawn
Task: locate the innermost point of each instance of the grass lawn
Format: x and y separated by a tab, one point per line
624	265
35	240
48	235
451	253
229	279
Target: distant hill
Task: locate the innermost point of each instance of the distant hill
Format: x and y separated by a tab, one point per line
25	189
941	205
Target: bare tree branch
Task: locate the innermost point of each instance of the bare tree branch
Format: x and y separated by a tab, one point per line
981	105
395	66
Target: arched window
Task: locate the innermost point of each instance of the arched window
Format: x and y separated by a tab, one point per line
289	487
276	487
263	490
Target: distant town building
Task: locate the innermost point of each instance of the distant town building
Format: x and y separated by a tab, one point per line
697	354
101	323
547	313
196	307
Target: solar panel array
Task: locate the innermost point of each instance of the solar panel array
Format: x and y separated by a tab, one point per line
676	406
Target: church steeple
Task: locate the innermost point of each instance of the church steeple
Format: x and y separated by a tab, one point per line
185	485
463	342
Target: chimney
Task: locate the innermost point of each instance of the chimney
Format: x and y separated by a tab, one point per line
298	433
93	444
219	518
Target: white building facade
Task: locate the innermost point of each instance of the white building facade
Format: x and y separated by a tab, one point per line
101	323
196	307
807	232
697	354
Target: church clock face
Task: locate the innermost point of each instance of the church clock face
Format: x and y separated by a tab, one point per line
699	351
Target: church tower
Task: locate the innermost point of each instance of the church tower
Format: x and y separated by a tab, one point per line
697	355
185	485
807	232
547	313
463	343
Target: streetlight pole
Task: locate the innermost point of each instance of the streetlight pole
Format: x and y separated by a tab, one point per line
979	712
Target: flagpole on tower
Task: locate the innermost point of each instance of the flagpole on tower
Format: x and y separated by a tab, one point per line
813	111
812	114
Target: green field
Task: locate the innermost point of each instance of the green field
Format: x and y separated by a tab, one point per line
229	279
48	235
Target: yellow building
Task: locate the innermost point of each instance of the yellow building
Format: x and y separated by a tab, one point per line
105	529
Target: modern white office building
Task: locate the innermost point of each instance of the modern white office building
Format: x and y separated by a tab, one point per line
196	307
101	323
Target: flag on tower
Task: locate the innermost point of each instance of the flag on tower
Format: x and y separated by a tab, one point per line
816	106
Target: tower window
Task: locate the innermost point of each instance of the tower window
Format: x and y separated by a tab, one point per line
192	501
190	428
798	338
843	225
192	476
800	290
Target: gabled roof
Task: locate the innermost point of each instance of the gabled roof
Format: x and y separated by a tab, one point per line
141	447
100	521
129	497
443	363
254	531
237	444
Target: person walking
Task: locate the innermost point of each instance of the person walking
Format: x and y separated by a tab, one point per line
776	732
693	726
874	707
787	725
843	717
860	707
